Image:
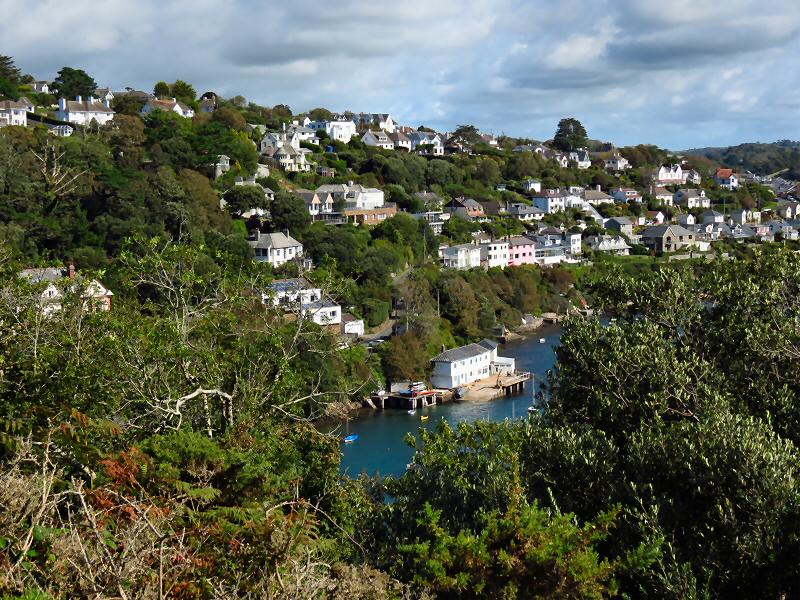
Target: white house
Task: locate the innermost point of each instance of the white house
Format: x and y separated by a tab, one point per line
551	201
339	130
426	143
532	185
685	219
608	244
93	294
83	112
662	195
382	120
581	157
40	87
461	256
467	364
670	174
727	179
275	248
494	254
692	198
712	216
378	139
351	325
354	195
626	195
13	113
400	141
617	163
167	105
596	197
524	212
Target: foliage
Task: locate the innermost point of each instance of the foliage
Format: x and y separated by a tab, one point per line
570	135
70	83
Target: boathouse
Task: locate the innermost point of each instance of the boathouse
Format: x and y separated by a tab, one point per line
466	364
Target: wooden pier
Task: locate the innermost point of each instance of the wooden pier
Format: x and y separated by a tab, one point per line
404	401
511	385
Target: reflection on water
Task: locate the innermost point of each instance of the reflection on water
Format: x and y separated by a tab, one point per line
380	449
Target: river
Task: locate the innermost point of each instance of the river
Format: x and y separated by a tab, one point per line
380	449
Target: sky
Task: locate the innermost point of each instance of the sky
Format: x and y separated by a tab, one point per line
677	73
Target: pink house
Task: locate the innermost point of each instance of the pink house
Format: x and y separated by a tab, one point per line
521	251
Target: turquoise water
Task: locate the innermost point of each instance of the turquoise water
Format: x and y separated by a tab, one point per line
380	449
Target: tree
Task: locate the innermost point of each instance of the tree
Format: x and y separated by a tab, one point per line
127	105
241	198
488	171
183	91
320	114
570	135
232	119
8	70
70	83
289	212
162	90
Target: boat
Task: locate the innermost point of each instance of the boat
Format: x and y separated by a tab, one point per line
460	392
413	411
349	439
542	340
531	409
410	466
423	418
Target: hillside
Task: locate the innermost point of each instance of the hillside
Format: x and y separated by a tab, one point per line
761	159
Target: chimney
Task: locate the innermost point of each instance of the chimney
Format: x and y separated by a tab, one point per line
71	271
598	187
78	99
90	99
286	232
62	104
175	100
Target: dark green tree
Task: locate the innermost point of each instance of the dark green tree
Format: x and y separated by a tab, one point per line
183	91
8	70
70	83
570	135
241	198
162	90
289	212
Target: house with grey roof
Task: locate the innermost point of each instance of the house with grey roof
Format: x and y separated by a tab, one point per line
377	139
467	364
276	248
83	112
621	224
668	238
13	113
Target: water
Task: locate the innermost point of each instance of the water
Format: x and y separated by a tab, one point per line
380	449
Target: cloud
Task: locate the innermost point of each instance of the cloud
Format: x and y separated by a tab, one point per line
677	72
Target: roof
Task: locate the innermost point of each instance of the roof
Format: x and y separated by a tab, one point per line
84	106
461	353
273	240
660	230
168	104
488	344
288	285
621	220
40	274
723	173
11	105
596	195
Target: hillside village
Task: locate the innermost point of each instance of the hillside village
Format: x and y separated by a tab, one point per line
563	202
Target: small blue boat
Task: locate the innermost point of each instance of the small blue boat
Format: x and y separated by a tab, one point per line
349	439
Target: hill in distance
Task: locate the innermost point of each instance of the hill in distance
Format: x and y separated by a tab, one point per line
760	158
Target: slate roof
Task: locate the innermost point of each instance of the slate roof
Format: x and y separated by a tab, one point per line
83	106
461	353
273	240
